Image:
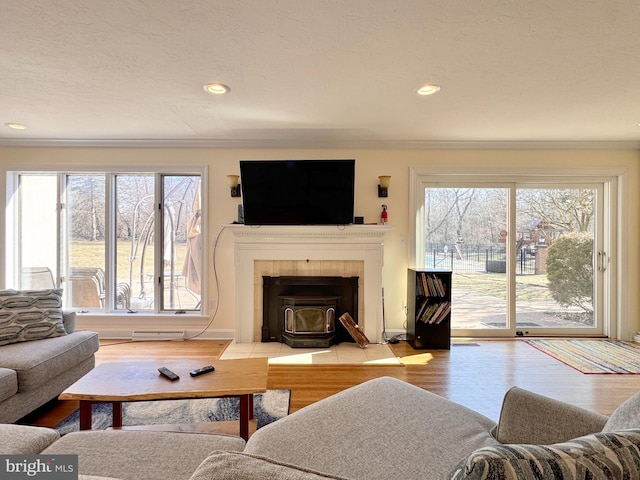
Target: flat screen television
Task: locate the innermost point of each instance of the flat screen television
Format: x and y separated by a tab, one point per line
297	192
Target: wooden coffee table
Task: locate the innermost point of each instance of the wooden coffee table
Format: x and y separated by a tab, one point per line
119	382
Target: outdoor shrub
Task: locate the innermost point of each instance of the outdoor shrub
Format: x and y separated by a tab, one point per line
570	270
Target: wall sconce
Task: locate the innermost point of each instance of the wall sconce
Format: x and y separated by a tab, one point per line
383	185
234	185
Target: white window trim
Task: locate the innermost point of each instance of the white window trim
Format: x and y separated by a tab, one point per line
617	316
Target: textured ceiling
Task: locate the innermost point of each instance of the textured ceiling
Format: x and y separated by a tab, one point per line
319	73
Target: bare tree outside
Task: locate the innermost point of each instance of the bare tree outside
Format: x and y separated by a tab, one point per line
86	193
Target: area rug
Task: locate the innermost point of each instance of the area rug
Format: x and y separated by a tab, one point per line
593	356
267	407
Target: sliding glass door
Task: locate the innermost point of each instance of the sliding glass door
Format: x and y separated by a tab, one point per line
464	227
560	260
528	258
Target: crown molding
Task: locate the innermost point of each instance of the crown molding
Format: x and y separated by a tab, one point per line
320	144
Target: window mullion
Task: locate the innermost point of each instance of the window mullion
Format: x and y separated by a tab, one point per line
158	246
61	227
110	243
512	235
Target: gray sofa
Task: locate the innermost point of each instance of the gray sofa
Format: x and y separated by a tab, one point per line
34	372
381	429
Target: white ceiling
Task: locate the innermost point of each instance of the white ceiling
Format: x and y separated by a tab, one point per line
320	73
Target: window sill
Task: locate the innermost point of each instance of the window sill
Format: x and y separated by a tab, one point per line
140	314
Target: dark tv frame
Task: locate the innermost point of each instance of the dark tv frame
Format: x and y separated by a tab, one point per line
298	192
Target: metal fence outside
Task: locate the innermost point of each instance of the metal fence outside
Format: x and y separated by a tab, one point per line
463	258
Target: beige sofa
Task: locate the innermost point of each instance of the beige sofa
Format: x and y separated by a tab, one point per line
381	429
34	372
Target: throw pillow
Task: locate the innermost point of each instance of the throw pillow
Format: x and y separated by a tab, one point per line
596	457
242	466
30	315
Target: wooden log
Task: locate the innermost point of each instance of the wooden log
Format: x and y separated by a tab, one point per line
352	327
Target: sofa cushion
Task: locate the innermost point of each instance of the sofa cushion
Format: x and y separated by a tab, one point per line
241	466
141	454
625	416
383	428
24	439
30	315
8	383
38	362
600	456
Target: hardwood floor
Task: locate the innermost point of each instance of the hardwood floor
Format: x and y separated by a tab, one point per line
475	374
124	350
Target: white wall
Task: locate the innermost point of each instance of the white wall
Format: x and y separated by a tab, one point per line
369	164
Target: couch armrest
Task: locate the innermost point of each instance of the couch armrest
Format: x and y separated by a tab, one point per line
528	417
25	439
69	321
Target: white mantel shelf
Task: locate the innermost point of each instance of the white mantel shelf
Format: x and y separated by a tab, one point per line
276	233
309	242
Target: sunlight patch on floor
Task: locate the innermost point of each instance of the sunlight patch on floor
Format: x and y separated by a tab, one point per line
343	353
419	359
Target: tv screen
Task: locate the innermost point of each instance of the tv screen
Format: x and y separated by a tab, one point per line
297	192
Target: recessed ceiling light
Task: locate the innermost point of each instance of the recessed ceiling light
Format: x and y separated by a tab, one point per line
217	88
428	89
16	126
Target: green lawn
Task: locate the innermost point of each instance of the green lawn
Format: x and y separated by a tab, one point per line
92	254
532	288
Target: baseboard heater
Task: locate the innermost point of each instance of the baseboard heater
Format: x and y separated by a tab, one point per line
147	335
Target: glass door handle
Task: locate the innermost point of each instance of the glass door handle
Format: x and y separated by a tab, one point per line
602	261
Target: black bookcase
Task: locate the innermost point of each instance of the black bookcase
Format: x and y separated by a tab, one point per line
429	308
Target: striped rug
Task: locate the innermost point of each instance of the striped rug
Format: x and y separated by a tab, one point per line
593	356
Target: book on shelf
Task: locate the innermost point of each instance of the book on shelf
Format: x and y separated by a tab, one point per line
424	302
434	313
442	312
430	285
427	313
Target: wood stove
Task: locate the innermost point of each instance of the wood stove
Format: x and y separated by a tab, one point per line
302	311
309	321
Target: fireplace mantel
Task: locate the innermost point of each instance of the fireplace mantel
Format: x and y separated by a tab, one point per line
306	233
309	242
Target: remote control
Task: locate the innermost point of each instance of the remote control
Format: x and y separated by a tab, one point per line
168	373
200	371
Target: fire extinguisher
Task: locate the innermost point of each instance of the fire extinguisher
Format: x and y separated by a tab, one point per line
383	215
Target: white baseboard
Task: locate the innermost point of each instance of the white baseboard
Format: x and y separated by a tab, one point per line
127	334
158	335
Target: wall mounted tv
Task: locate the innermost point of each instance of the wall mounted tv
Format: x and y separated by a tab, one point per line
297	192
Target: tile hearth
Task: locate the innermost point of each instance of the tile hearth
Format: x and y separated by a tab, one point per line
342	353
